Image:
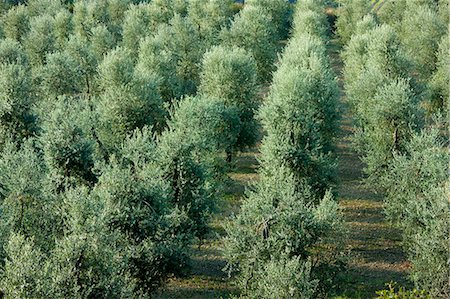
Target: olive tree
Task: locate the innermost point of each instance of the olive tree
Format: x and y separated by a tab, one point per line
417	202
253	31
384	99
349	14
129	99
270	243
300	114
66	143
210	17
439	82
229	73
17	118
421	44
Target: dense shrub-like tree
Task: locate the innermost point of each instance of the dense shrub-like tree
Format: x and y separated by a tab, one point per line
24	208
439	82
160	12
174	54
154	57
276	231
417	201
154	234
40	7
210	17
68	148
61	76
23	275
16	23
188	48
253	31
84	260
88	14
372	59
349	14
391	116
63	27
283	221
420	32
11	52
198	129
102	40
280	13
187	178
40	40
129	99
300	114
84	55
17	119
384	98
209	123
230	74
310	21
136	25
393	12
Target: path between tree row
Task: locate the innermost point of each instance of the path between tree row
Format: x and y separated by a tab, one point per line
376	256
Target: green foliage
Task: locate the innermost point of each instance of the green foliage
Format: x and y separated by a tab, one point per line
309	18
187	177
154	235
401	293
17	120
384	98
41	39
209	123
11	52
371	60
210	17
102	40
155	57
22	204
22	276
61	76
174	55
393	12
16	23
349	14
276	231
300	114
88	14
129	99
89	260
254	31
63	27
135	26
40	7
390	116
289	215
187	47
439	82
417	201
107	200
230	74
84	56
279	12
421	44
83	263
68	150
160	11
